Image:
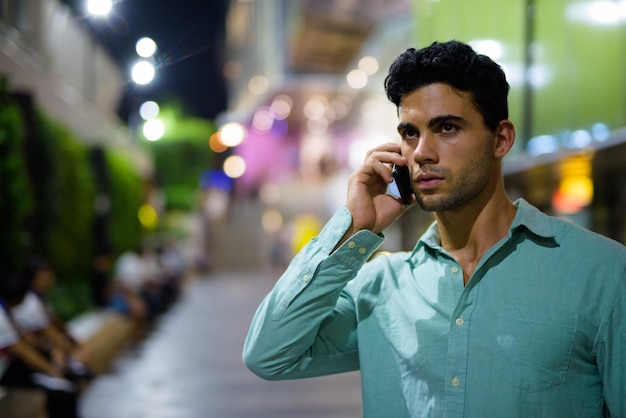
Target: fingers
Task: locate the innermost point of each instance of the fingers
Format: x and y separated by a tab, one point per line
379	160
370	205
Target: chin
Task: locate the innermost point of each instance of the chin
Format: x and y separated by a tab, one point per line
438	203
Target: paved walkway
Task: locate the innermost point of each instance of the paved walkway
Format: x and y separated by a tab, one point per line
190	366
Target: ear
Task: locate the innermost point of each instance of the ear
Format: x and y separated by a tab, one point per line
505	138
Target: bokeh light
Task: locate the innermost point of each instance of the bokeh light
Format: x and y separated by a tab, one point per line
234	166
145	47
149	110
148	216
99	7
153	129
272	220
263	120
258	85
315	108
357	79
489	47
232	134
281	106
216	144
369	65
143	72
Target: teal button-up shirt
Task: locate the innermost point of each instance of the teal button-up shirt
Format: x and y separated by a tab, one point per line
538	331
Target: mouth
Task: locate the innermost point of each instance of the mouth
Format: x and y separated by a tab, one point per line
427	181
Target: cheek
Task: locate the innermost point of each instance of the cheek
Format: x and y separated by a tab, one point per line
406	149
476	167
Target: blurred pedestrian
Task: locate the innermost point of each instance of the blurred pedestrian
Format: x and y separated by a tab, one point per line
128	290
499	310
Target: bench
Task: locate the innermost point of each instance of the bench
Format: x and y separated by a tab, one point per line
104	333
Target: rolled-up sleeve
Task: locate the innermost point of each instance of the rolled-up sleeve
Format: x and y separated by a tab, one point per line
306	325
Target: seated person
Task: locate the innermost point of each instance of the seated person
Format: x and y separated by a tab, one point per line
26	365
37	317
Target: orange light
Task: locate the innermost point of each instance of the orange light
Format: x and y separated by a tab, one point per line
216	144
576	185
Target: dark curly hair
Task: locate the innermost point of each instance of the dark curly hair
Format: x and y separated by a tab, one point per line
458	65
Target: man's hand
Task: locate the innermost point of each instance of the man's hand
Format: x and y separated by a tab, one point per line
368	202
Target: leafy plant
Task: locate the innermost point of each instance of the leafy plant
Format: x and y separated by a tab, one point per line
180	157
15	192
126	196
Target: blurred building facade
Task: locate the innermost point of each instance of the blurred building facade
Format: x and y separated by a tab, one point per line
564	59
49	53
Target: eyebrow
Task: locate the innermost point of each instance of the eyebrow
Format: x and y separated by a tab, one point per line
438	120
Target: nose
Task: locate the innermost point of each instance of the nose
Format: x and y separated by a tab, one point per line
426	150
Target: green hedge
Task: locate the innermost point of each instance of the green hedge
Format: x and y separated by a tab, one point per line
15	192
66	199
47	196
126	196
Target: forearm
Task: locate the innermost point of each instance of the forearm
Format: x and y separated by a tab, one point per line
33	358
305	327
59	340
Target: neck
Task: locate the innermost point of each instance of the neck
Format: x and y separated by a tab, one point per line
467	233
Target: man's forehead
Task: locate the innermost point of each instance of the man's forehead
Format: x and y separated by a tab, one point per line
435	100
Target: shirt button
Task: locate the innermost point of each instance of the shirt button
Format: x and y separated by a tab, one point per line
306	278
455	382
454	269
351	244
459	321
362	250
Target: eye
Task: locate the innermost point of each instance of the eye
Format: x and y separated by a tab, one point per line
447	128
410	133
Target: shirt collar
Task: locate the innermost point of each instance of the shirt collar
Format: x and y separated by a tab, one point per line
527	216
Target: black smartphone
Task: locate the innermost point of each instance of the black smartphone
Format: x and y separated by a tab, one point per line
403	182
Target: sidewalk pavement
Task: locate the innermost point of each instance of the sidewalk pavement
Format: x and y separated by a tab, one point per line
190	366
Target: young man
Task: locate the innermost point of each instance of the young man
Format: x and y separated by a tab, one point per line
499	310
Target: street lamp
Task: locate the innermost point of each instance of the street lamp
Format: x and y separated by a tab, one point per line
145	47
99	7
149	110
143	72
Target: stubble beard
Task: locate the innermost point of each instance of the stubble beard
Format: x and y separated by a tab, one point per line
461	187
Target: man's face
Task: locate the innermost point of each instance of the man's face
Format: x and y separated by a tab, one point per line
450	150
